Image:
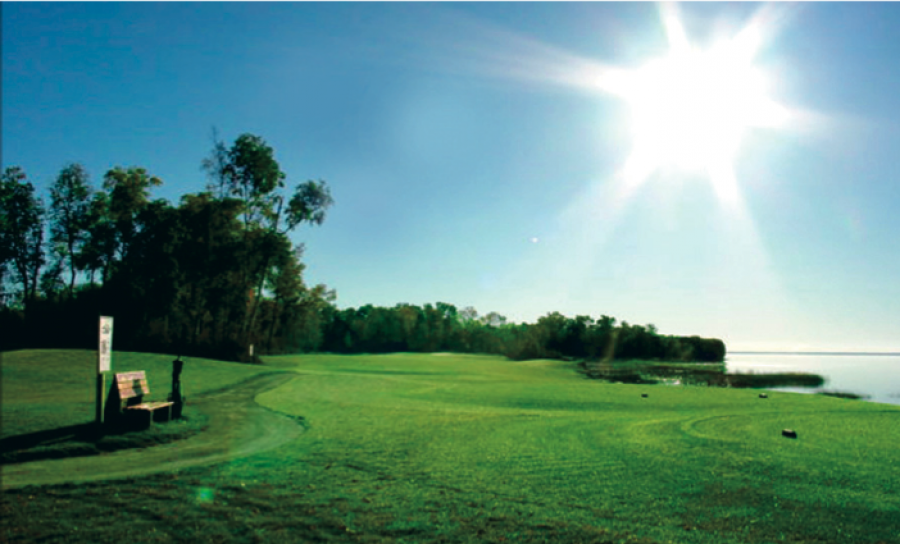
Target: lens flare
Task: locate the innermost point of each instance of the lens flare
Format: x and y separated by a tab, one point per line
691	107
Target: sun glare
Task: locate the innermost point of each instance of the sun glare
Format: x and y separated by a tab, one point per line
690	108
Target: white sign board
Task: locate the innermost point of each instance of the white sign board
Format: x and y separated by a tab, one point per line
104	350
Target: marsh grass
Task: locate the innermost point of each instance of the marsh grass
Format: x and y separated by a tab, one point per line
415	448
712	375
843	395
771	379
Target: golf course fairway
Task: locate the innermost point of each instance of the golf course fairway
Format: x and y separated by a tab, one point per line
464	448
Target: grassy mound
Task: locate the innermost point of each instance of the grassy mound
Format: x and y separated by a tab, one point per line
49	401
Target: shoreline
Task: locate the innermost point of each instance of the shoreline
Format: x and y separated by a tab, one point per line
838	353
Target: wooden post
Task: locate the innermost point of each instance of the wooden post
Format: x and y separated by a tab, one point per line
101	386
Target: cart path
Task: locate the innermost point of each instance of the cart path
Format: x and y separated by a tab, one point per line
238	427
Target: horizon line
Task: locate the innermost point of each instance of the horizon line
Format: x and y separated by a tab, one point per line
770	352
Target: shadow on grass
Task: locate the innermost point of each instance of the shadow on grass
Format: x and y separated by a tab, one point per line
92	439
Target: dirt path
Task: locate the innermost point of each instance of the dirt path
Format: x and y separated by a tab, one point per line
238	427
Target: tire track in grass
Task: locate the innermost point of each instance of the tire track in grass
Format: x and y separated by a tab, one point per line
238	427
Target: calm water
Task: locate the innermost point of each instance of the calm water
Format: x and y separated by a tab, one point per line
877	376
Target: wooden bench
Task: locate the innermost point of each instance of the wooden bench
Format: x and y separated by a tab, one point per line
127	396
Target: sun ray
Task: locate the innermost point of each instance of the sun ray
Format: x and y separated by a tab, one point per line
690	110
678	40
724	182
496	52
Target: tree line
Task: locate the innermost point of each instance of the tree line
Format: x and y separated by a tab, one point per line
209	276
217	273
442	327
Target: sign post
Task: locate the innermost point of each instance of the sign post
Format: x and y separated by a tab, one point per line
104	361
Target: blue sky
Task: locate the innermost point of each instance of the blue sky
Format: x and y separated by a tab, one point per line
471	164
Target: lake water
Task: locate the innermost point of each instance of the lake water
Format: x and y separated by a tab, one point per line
877	376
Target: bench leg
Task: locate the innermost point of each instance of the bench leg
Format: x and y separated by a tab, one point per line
138	420
167	410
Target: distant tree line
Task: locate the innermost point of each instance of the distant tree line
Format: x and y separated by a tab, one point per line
442	327
218	273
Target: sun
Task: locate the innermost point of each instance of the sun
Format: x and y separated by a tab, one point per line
691	108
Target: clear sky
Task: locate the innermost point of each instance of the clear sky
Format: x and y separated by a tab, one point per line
479	153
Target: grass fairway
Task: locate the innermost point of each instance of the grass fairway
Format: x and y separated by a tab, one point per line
452	448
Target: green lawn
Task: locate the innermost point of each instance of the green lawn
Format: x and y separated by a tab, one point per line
455	448
47	389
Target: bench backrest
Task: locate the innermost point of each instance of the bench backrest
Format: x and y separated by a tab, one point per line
132	385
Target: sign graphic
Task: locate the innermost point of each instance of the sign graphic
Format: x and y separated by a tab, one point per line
104	350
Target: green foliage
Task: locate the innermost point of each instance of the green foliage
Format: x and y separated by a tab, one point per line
211	276
100	239
442	327
252	174
51	282
70	214
22	234
129	193
308	204
248	171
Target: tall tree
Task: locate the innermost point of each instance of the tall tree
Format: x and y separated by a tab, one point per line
287	287
150	273
23	229
5	229
249	172
51	282
212	255
99	248
129	194
254	175
216	168
69	212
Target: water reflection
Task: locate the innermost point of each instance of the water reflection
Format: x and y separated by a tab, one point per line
874	376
